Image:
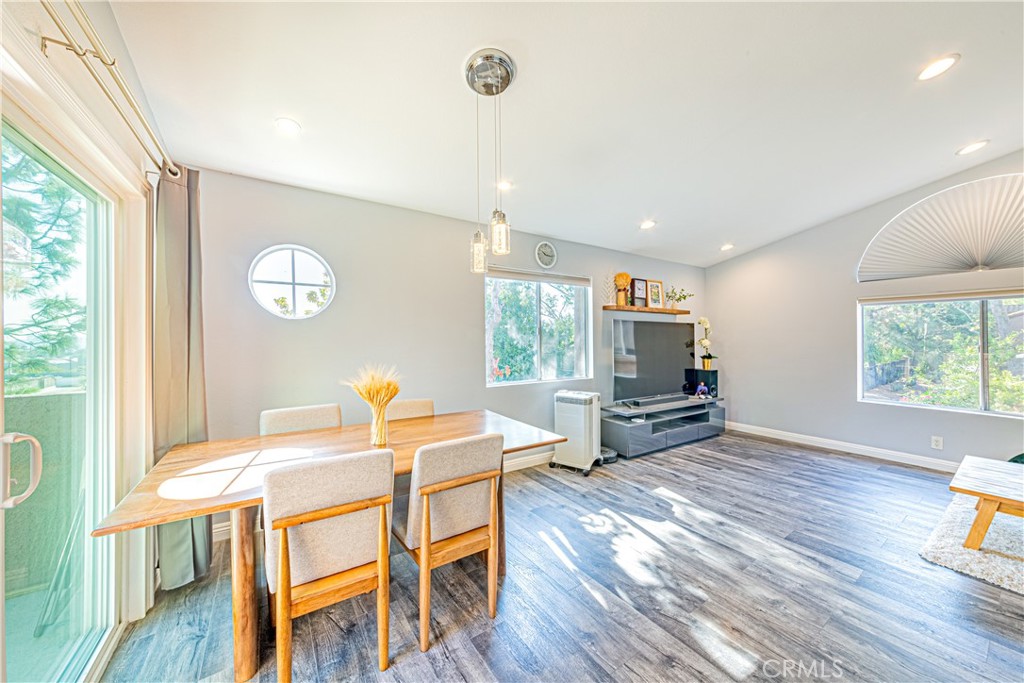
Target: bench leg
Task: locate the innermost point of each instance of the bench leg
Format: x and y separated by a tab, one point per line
986	511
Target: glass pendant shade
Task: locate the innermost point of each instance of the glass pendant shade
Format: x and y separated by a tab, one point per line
478	253
501	234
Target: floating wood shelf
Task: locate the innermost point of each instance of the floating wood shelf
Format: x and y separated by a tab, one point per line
646	309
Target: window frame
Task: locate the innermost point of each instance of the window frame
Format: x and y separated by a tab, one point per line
106	227
980	296
294	283
541	278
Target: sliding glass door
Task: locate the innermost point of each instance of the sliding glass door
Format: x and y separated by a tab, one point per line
56	580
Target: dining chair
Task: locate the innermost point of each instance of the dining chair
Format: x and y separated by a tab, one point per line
404	408
328	540
280	420
451	512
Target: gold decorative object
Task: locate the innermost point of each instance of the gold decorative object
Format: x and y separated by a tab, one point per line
622	281
707	363
377	385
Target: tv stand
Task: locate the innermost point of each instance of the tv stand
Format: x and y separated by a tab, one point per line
678	419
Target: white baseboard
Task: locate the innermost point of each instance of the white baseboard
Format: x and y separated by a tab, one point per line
222	530
512	464
847	447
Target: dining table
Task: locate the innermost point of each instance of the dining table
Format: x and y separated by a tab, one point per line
226	475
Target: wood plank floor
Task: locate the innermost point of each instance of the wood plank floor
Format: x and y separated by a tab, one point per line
720	560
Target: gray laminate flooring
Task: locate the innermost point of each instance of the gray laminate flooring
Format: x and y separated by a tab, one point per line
730	559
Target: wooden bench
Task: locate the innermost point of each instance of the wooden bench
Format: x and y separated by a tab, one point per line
999	487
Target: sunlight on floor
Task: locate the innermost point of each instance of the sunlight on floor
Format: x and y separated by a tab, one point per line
560	554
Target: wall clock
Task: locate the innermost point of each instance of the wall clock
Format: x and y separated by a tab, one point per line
546	254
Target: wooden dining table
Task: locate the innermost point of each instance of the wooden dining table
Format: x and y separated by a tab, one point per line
197	479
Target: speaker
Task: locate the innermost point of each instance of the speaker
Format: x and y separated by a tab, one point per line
695	376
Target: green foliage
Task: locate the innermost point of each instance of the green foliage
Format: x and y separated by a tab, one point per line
558	330
44	224
282	305
532	330
677	295
318	297
511	312
939	344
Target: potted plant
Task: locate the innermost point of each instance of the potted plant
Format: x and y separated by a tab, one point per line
705	343
674	296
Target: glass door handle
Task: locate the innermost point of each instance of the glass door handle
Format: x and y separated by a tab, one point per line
35	468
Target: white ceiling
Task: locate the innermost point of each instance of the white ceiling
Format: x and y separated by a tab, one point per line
724	122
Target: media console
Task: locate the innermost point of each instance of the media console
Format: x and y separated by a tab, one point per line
670	421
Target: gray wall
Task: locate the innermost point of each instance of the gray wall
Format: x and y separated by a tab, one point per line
405	296
785	326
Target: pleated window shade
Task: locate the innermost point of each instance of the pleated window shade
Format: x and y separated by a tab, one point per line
974	226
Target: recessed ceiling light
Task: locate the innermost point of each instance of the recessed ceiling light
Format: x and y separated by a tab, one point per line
938	67
287	126
648	224
505	185
727	246
973	147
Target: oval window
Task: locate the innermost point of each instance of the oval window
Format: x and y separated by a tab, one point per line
291	281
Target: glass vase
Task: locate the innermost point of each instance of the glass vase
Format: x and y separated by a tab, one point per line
379	428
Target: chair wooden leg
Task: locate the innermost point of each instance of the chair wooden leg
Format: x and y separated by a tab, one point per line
425	577
284	613
272	608
383	588
492	554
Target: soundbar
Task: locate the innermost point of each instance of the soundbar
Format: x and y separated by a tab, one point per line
655	400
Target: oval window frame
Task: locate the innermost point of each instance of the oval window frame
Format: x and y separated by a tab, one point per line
292	247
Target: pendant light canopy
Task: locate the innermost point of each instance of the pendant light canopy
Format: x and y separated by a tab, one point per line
488	73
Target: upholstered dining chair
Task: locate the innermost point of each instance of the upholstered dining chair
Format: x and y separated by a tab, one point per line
327	540
451	512
280	420
404	408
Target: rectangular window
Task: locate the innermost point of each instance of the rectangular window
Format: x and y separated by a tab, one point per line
963	353
537	328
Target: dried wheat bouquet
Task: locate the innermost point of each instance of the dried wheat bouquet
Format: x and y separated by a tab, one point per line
376	384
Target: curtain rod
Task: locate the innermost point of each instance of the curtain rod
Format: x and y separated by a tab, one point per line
99	51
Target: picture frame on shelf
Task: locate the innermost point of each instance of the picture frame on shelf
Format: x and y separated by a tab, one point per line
638	291
655	294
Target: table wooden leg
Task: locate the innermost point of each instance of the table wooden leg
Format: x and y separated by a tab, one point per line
244	611
501	522
986	511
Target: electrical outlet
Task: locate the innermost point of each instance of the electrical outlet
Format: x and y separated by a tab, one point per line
937	443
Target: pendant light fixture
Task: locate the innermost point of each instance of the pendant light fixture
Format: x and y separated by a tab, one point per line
478	247
489	72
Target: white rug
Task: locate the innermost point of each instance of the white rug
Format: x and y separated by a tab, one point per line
1000	560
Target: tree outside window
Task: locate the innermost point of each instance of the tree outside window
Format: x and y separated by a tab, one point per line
965	354
45	222
535	330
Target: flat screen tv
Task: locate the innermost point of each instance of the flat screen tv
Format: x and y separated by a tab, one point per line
650	358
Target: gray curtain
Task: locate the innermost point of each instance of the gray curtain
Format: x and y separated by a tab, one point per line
179	376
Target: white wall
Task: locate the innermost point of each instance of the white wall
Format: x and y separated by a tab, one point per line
785	326
405	296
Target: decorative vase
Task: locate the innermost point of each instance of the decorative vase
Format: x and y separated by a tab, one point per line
620	297
379	427
705	361
671	304
377	385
